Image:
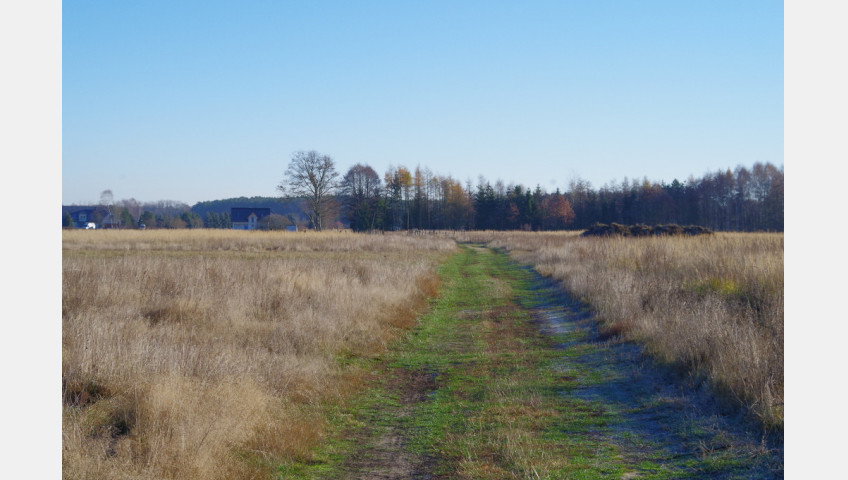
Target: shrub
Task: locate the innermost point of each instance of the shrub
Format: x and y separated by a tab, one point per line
670	229
640	230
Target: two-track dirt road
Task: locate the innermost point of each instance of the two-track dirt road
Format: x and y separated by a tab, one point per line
506	377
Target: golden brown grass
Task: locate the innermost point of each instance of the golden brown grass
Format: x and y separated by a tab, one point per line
713	304
214	354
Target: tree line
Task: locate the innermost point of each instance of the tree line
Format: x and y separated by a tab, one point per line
317	196
740	200
130	213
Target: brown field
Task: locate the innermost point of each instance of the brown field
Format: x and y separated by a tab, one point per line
214	354
217	354
711	304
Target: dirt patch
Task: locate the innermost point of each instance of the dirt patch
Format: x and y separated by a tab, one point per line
413	386
386	457
383	451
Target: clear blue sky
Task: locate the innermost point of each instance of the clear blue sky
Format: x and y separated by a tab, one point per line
203	100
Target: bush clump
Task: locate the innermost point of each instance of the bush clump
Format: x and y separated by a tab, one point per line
640	230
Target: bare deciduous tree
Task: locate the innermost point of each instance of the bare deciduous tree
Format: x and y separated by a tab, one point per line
312	176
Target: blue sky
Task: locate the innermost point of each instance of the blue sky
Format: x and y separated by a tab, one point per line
195	101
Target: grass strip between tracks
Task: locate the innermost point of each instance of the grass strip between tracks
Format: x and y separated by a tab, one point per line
476	391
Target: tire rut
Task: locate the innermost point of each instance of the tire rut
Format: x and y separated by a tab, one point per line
657	420
383	452
662	416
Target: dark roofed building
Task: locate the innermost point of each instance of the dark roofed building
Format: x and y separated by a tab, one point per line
82	215
248	218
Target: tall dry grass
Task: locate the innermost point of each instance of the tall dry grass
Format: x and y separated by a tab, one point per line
214	354
711	303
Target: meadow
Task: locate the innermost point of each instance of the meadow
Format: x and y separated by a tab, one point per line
710	305
224	354
217	354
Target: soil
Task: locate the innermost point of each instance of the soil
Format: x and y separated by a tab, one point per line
384	454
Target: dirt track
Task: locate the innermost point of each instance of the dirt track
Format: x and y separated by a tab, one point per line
385	455
658	424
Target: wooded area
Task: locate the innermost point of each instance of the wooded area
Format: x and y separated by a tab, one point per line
743	199
733	200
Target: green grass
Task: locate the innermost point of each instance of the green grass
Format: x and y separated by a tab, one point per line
505	400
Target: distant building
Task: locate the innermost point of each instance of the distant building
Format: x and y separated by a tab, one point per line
249	218
82	216
291	228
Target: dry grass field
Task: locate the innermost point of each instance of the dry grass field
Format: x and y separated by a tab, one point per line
218	354
214	354
712	304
